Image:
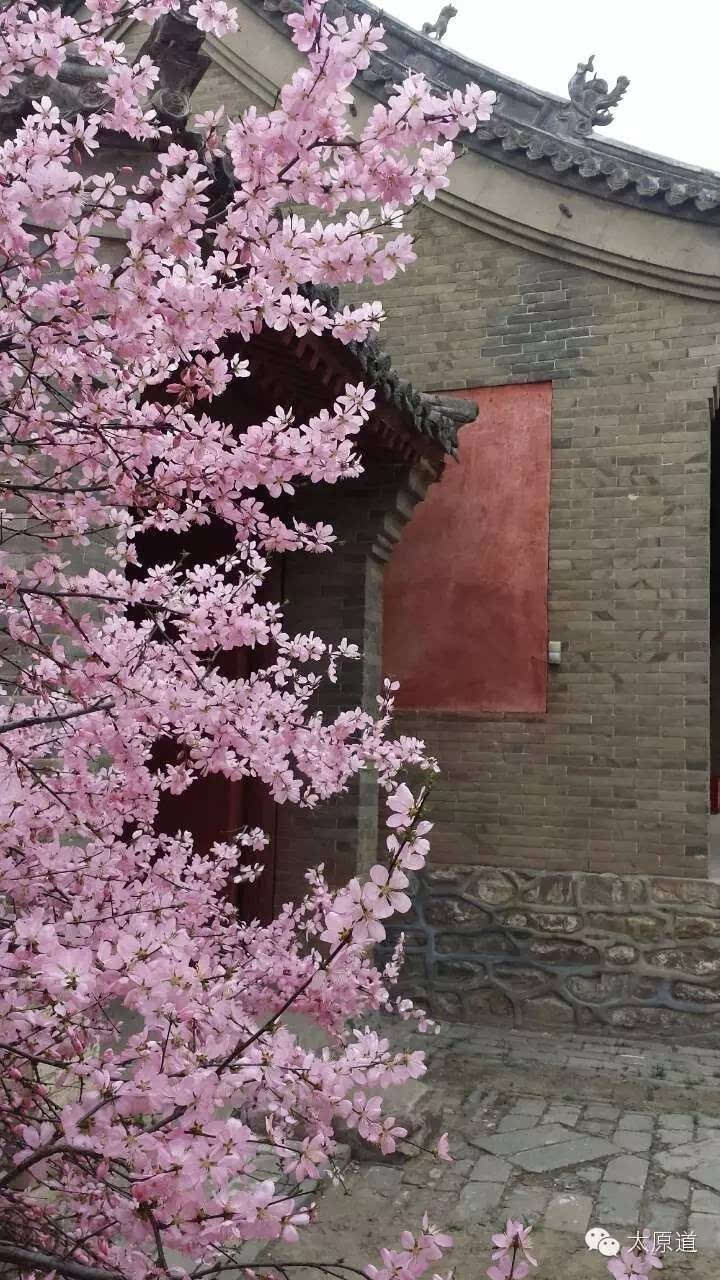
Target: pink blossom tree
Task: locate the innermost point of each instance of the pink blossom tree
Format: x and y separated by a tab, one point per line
147	1067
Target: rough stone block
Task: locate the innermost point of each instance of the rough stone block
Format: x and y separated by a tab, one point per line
708	997
700	1160
529	1106
622	954
631	1141
662	1216
482	1004
490	1169
521	980
699	961
672	1137
677	1189
503	1144
491	886
600	988
568	1212
706	1229
618	1205
511	1123
636	1120
627	1169
561	1114
563	951
686	892
611	891
705	1202
386	1179
555	890
477	1201
546	1011
451	910
562	1154
526	1201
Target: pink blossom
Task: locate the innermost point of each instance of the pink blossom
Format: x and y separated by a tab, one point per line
305	26
385	892
34	1139
636	1261
214	16
442	1148
503	1268
511	1255
402	806
150	1005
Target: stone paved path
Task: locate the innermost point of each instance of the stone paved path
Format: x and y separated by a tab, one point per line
564	1132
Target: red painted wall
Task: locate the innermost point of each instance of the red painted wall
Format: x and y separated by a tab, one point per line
465	621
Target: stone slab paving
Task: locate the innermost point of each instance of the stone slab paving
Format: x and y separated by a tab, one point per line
617	1188
594	1161
564	1132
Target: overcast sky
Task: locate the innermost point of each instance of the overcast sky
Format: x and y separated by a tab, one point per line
669	50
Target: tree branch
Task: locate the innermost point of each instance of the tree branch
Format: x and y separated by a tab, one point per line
30	1258
59	717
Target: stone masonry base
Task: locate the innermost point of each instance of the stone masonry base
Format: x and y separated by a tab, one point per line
552	949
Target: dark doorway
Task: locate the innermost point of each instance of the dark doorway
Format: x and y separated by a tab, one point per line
215	808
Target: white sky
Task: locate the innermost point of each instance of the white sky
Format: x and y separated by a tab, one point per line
669	50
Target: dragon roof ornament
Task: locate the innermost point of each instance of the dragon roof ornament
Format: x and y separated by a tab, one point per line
437	29
590	100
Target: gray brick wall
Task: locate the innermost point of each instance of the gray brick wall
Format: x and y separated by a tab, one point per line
340	595
615	776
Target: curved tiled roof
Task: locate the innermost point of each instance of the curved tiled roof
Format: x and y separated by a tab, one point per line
438	419
529	128
432	416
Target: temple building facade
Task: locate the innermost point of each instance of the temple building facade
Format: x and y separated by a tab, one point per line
551	607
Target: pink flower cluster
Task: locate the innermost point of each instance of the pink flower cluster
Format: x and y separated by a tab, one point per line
640	1259
512	1258
415	1257
148	1070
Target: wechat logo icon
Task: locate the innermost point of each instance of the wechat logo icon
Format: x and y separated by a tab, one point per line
600	1239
